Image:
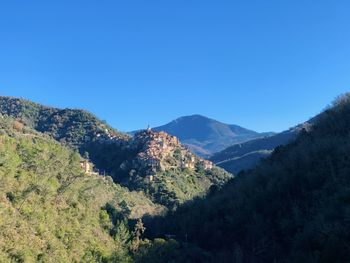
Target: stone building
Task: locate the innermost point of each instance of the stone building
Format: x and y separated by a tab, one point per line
86	166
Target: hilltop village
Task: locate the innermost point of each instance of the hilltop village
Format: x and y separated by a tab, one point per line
161	151
154	152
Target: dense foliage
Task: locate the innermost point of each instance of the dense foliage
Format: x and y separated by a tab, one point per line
294	207
174	187
63	215
170	187
50	211
111	152
75	128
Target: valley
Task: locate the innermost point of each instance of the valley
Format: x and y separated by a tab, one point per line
174	131
68	178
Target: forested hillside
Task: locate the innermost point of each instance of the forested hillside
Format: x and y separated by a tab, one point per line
157	164
294	207
245	156
75	128
150	162
51	211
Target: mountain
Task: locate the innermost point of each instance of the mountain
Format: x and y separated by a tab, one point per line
52	211
293	207
56	207
153	162
72	127
158	164
205	136
247	155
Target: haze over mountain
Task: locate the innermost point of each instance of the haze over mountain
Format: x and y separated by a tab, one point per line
205	136
247	155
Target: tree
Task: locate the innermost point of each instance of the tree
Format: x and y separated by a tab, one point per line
139	230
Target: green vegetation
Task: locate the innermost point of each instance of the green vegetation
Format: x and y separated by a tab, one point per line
170	187
174	187
114	153
75	128
294	207
50	211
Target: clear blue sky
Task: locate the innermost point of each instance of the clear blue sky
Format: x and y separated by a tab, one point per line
265	65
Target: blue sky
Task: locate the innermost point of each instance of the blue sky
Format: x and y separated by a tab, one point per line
265	65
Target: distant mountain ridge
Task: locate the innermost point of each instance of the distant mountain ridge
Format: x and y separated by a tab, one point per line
205	136
293	207
245	156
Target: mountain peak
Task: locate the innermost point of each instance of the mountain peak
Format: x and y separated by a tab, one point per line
205	136
193	116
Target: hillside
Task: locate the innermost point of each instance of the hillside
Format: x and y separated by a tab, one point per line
74	128
294	207
245	156
205	136
152	162
51	211
159	165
